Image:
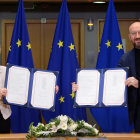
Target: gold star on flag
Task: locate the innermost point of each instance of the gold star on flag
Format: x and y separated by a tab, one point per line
60	44
72	95
119	46
10	48
18	43
71	47
108	43
61	99
29	46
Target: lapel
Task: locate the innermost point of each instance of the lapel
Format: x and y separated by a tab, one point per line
2	75
132	63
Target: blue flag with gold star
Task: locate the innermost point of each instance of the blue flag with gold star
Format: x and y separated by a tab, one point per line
111	50
63	58
20	54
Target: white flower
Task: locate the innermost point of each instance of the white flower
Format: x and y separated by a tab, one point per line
74	133
71	120
66	124
70	129
43	132
46	126
52	123
62	125
54	128
82	121
96	131
59	117
33	128
63	118
74	126
88	125
40	124
83	130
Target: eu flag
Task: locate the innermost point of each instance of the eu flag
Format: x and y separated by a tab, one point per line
20	54
111	50
63	58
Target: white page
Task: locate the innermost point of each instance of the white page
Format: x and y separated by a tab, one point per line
114	87
88	83
18	85
43	89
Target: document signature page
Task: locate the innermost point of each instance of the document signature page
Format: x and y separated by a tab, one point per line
114	87
18	85
88	91
43	89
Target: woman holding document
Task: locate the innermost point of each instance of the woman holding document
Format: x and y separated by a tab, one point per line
5	110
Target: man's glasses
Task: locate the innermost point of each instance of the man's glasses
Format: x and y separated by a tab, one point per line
135	33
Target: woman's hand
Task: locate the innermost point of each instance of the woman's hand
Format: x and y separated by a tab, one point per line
57	89
74	87
3	92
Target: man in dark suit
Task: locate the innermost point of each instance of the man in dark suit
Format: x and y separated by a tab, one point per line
131	59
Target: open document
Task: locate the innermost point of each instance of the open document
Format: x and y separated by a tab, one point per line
31	88
101	87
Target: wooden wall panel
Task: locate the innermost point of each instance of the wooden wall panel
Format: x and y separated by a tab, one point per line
124	30
76	32
8	35
34	31
41	38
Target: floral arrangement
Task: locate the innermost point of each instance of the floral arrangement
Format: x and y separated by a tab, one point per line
62	126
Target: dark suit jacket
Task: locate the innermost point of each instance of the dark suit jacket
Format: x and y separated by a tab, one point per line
128	60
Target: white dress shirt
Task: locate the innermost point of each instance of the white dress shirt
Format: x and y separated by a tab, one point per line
5	109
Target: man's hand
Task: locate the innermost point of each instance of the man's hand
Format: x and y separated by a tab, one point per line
131	81
57	89
3	92
74	87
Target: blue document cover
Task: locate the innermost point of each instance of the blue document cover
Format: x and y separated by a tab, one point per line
31	88
101	87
